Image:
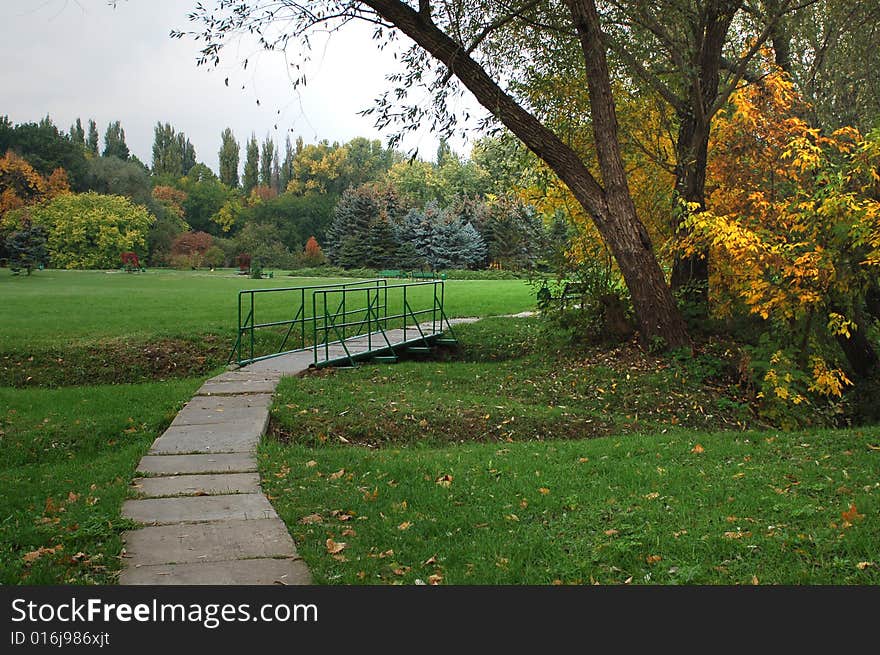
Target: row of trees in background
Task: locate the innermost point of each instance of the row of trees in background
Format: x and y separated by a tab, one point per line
446	213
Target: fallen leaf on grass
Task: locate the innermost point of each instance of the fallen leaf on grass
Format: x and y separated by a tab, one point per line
652	496
653	559
444	480
34	555
406	525
311	463
430	560
543	491
348	532
737	535
435	579
755	580
698	449
611	532
311	518
851	515
583	460
401	570
337	475
334	547
861	566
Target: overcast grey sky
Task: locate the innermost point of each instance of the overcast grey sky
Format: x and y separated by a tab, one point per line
83	58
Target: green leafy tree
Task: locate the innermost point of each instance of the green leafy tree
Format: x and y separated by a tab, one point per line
286	172
90	230
167	154
188	153
267	153
92	140
113	176
251	176
45	148
114	142
263	243
229	153
78	134
204	199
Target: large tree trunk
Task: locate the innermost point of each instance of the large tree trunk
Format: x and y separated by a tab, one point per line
628	239
692	154
612	211
692	145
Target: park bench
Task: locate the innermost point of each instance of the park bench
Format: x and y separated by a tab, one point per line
572	291
427	275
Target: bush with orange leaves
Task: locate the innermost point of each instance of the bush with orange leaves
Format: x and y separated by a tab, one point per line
792	228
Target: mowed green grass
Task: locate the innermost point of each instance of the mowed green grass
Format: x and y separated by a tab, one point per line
67	457
55	308
743	508
522	461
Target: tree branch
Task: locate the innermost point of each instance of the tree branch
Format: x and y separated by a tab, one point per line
538	138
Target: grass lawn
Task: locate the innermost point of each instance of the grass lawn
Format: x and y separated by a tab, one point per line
54	307
480	470
66	459
86	327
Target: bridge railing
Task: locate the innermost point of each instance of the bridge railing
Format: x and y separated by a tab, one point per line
342	314
285	324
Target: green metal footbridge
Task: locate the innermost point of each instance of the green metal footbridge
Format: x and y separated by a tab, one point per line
341	324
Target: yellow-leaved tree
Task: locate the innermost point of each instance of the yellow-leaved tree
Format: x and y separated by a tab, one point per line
793	230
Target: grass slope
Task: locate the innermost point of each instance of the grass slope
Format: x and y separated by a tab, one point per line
483	470
66	460
62	328
61	307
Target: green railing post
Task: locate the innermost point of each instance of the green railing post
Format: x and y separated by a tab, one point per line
315	326
253	322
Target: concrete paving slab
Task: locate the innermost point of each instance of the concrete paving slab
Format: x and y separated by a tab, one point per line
208	542
282	365
207	417
192	509
244	375
195	464
198	485
236	387
221	409
215	438
230	403
235	572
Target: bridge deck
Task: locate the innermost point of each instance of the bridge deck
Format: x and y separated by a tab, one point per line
356	348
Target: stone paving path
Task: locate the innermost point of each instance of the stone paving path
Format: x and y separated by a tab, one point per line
205	518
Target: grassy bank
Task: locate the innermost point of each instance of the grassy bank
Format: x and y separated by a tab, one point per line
87	327
66	461
520	461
